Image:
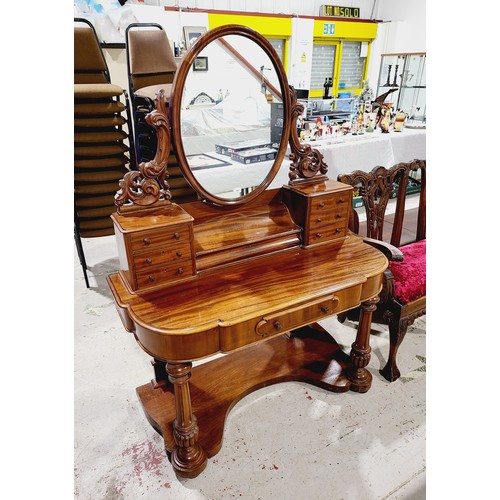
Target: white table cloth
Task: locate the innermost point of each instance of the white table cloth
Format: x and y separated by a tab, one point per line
363	152
354	152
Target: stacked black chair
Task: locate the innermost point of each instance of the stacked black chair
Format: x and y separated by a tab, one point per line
103	139
151	67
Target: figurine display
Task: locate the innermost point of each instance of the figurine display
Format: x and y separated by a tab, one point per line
366	114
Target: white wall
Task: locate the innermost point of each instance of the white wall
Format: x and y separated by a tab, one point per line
299	7
403	30
406	28
403	26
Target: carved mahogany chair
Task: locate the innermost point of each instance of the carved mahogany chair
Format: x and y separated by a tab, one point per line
402	299
101	152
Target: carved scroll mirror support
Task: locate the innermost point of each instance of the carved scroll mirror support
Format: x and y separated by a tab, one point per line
307	165
147	187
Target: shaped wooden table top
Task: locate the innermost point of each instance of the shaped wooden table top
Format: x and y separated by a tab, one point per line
222	309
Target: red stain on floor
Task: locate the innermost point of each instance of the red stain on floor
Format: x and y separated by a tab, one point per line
146	458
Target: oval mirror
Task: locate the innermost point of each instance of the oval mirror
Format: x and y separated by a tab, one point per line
228	109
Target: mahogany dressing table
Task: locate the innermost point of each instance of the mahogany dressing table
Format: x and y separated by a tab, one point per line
248	271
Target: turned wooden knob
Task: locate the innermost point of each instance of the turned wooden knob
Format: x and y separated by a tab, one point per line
318	235
338	230
277	325
321	204
151	277
178	253
180	270
341	200
146	241
319	219
177	236
339	216
148	260
325	309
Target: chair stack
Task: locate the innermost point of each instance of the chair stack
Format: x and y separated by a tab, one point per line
100	149
151	67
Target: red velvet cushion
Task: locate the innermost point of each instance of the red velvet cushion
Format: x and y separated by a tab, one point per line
409	275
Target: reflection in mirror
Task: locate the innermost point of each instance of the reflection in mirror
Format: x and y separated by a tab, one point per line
231	116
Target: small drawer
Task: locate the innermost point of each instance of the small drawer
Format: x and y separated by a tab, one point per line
326	233
293	318
320	204
328	217
165	254
165	236
164	274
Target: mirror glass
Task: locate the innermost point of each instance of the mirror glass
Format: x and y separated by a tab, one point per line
232	116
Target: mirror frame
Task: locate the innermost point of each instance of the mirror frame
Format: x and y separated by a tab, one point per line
176	102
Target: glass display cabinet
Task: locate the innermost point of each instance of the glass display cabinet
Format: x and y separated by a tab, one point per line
406	73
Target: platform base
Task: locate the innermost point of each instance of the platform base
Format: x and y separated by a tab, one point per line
307	355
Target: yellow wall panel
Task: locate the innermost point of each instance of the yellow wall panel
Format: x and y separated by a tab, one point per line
345	29
265	25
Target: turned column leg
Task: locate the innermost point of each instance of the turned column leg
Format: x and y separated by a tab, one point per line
360	377
188	459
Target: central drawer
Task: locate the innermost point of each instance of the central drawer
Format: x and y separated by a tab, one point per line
295	317
233	336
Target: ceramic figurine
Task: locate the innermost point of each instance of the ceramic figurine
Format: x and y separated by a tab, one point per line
360	119
386	121
399	121
346	127
366	95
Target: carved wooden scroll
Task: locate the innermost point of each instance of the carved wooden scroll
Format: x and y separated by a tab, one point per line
148	187
307	163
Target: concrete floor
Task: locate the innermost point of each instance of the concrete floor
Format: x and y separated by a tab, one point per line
288	441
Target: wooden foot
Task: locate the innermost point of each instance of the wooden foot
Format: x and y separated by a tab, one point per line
359	376
390	371
188	458
397	332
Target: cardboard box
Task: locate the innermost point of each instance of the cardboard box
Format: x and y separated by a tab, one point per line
254	155
234	147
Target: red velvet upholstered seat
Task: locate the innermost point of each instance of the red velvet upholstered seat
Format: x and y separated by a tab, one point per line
409	275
